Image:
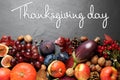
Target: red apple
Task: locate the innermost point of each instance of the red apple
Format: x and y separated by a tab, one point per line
109	73
82	71
4	74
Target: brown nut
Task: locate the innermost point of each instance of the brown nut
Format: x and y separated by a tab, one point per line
43	67
20	38
70	72
101	61
97	39
27	38
83	38
92	67
88	63
94	59
108	63
98	68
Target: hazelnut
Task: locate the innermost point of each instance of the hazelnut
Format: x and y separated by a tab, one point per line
92	67
20	38
94	59
108	63
28	38
97	39
83	38
98	68
70	72
101	61
88	63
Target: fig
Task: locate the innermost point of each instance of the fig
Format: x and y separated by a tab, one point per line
5	62
3	50
47	47
56	69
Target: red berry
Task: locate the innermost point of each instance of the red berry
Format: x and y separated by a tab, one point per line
109	48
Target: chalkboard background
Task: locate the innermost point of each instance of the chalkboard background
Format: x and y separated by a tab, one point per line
11	24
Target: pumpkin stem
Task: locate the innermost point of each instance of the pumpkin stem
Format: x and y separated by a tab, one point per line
21	74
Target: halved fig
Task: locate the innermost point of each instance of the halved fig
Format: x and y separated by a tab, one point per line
5	62
3	50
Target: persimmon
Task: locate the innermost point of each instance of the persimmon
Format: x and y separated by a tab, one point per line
23	71
4	73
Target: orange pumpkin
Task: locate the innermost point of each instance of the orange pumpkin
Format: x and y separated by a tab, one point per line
23	71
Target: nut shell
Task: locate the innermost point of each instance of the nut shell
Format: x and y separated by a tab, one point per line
28	38
101	61
94	59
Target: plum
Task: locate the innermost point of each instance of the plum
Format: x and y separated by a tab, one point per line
62	56
49	58
47	47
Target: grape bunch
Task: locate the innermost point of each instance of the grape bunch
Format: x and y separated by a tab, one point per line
25	52
108	47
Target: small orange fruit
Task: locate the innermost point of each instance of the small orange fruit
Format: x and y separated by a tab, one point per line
23	71
5	62
4	73
3	50
57	69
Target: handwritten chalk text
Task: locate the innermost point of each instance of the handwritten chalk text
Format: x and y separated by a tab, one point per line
59	16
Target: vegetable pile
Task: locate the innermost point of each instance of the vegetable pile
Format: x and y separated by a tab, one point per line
62	59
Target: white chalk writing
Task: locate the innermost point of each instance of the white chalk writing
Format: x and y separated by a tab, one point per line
59	16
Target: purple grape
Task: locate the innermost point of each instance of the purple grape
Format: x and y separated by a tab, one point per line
35	55
22	52
41	59
19	47
20	59
17	55
37	64
11	53
27	54
17	43
14	47
23	46
28	46
13	62
28	50
34	50
14	51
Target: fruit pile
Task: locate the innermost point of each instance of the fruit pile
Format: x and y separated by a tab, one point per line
62	59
